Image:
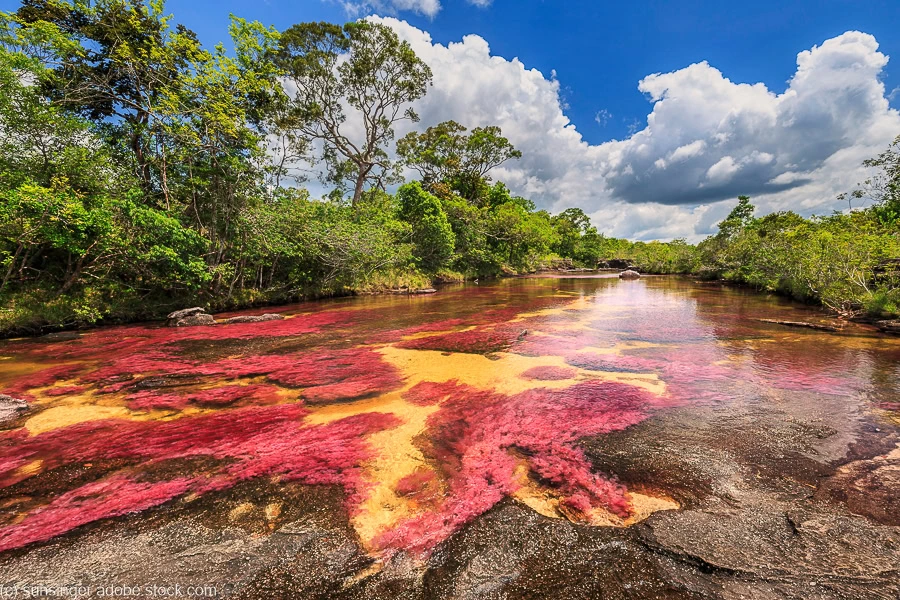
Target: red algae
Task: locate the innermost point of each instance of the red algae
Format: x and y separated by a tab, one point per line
23	385
249	443
482	340
478	439
549	373
428	393
65	390
112	497
213	397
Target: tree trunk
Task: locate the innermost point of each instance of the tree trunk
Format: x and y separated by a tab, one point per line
360	182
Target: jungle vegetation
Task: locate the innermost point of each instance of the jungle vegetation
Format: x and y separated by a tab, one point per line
141	172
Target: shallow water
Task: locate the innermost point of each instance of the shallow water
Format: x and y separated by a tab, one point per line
426	413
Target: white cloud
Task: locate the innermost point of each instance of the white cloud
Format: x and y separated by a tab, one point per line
705	141
722	172
356	8
602	117
429	8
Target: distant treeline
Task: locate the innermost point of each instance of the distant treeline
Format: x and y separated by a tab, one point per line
140	172
849	262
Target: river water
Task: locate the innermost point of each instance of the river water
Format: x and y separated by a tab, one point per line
568	436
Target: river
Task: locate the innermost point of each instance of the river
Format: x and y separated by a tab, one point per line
566	437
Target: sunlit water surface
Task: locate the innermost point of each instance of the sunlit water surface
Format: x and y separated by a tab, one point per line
427	411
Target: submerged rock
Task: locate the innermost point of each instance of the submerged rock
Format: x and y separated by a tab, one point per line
802	324
629	274
252	319
10	407
60	336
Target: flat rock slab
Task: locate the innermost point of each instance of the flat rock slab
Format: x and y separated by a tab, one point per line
800	324
251	319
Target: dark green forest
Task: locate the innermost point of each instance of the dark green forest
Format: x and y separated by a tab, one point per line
141	172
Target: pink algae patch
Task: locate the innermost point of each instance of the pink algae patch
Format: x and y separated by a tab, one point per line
103	499
416	482
478	438
23	385
212	397
65	390
242	444
549	373
427	393
482	340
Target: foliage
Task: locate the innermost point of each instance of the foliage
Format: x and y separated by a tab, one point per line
365	66
445	154
431	234
141	171
843	260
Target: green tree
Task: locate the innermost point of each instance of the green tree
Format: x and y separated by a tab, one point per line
445	154
365	66
432	237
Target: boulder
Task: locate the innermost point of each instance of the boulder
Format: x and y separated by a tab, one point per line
252	319
185	312
629	274
194	320
190	317
10	407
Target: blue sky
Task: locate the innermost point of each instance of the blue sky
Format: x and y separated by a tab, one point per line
600	50
653	116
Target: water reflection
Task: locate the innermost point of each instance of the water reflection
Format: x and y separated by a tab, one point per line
426	411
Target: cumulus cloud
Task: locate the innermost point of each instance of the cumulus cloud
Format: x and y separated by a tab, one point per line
706	139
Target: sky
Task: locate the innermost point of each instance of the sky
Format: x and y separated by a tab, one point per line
651	116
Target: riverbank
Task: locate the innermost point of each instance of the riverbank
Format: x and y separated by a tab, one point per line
39	321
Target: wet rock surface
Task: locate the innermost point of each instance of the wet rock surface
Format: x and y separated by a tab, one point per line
195	320
801	324
11	408
629	274
760	519
892	326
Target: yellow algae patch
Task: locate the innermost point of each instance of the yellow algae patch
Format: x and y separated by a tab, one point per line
63	416
396	456
642	506
272	511
80	408
503	374
428	334
29	469
544	502
240	511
